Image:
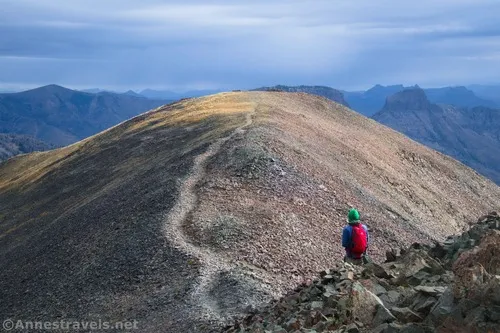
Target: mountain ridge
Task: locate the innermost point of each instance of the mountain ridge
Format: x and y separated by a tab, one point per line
372	100
470	135
324	91
61	116
267	200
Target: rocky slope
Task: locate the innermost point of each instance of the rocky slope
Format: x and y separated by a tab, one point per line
13	144
184	216
327	92
469	135
61	116
450	287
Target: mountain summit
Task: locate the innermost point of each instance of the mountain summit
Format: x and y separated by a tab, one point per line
408	99
184	217
60	116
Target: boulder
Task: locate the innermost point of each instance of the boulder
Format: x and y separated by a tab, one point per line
405	315
317	305
423	304
418	264
430	291
383	315
391	298
442	309
475	270
378	270
364	303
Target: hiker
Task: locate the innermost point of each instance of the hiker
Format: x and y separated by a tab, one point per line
355	239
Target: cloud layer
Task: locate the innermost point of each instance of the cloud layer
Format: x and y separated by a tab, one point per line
227	44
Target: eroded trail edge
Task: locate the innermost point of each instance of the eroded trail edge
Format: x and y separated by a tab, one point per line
212	263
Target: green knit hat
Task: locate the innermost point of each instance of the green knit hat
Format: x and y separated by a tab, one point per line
353	216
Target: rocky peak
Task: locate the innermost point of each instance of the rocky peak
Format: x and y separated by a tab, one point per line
409	99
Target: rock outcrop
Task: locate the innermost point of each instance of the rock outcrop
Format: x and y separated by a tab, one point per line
448	287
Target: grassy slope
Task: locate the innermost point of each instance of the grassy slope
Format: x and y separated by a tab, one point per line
80	227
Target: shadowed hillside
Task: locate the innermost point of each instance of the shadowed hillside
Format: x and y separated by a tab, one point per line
61	116
13	144
469	135
183	217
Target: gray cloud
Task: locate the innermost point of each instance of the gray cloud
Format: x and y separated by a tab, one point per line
207	44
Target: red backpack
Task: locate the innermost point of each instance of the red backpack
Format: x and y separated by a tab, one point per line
359	241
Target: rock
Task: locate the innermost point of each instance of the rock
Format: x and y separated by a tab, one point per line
292	299
438	251
417	263
379	290
293	324
343	285
278	329
405	315
347	276
312	319
493	314
391	298
390	256
352	328
316	305
327	279
418	278
431	291
423	305
364	303
322	274
328	312
475	268
442	309
407	328
329	291
377	270
383	315
331	302
379	329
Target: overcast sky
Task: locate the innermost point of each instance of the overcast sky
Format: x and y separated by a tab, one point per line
178	45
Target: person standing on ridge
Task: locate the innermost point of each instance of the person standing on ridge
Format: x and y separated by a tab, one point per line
355	238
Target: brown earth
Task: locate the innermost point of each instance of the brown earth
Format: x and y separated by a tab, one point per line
183	217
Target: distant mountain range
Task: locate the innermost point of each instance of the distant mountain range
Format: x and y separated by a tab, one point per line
59	116
165	94
372	100
159	94
490	92
327	92
14	144
471	135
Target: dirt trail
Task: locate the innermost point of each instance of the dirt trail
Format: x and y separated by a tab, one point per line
213	263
